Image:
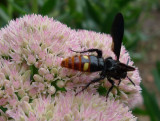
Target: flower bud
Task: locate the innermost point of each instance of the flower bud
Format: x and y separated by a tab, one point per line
22	118
26	107
25	98
3	101
3	118
42	55
26	75
31	59
114	91
37	78
16	84
1	93
49	62
60	84
49	77
35	48
2	76
68	117
49	114
6	83
54	71
51	89
43	71
21	93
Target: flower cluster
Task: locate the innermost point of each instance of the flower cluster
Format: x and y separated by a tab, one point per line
31	50
86	107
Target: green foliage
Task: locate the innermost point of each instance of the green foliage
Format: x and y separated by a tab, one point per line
156	74
151	105
150	100
48	6
34	70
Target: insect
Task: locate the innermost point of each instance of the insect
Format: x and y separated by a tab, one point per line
109	67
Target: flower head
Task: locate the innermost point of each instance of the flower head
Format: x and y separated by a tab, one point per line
70	108
31	50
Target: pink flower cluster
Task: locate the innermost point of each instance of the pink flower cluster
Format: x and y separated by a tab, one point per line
31	50
86	107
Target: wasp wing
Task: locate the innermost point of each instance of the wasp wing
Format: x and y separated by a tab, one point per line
117	32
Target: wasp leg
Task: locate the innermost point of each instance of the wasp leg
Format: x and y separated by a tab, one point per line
110	89
128	77
99	52
93	81
131	81
119	82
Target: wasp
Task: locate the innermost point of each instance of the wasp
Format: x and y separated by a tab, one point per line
110	68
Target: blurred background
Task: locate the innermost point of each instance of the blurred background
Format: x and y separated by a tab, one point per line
142	34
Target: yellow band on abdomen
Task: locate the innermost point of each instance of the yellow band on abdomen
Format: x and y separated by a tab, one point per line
85	67
86	57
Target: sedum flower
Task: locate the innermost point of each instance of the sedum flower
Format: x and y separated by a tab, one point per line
68	107
31	50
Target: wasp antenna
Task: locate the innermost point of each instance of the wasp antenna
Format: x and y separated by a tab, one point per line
128	61
73	50
131	81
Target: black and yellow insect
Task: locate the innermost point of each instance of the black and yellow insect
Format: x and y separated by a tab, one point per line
109	68
85	63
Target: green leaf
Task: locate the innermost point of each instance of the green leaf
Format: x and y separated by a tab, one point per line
156	78
34	70
72	5
151	105
3	14
94	11
139	111
158	66
102	90
107	23
48	6
3	109
156	75
18	8
34	6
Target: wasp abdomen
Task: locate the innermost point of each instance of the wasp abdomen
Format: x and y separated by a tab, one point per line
84	63
81	63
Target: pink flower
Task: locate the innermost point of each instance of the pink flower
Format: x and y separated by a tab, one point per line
3	101
34	47
4	49
69	107
31	59
49	77
2	118
42	55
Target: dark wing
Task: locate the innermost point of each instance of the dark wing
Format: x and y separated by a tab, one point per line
117	32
